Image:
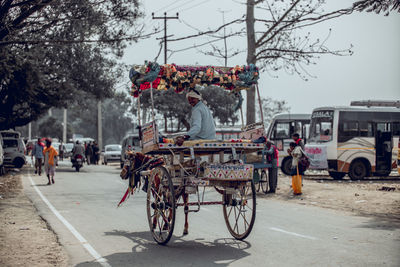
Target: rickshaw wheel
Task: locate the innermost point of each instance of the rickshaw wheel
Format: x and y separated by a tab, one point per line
161	205
239	210
264	181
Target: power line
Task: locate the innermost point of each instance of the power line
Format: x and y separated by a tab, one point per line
169	6
194	6
165	18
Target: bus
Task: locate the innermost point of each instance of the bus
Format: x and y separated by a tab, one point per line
280	132
227	132
357	141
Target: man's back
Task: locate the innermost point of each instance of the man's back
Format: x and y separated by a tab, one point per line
201	123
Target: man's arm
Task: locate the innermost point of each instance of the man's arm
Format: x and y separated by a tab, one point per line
196	127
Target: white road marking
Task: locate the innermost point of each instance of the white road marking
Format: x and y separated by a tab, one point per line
83	241
292	233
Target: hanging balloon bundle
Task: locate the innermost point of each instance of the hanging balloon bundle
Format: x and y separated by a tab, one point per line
181	78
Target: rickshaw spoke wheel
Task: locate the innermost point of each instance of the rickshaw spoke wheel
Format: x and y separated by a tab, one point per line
161	205
239	210
264	181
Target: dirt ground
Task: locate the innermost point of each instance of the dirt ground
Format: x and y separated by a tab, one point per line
379	197
26	239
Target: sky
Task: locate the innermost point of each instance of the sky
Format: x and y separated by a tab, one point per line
371	73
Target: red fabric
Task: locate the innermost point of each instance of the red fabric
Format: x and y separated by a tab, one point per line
124	197
298	141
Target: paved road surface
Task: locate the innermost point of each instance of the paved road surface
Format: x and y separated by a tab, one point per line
81	208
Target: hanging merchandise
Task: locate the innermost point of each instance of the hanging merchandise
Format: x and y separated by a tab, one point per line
183	78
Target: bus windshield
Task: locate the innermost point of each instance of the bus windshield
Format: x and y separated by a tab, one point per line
321	126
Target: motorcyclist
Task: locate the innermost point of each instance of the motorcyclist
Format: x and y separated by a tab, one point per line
78	149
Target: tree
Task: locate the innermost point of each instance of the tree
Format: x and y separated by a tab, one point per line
174	107
273	107
377	6
278	38
47	59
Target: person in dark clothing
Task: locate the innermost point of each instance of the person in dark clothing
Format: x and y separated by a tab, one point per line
89	153
296	138
272	157
96	153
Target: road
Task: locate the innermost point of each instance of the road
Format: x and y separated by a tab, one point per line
82	210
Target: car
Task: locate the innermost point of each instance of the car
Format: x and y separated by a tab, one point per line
112	153
130	142
68	149
14	148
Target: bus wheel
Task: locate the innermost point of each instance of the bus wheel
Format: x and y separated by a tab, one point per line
358	170
286	165
337	175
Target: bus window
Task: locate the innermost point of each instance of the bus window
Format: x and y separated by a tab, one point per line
297	128
282	130
321	131
396	128
366	129
306	131
349	128
383	126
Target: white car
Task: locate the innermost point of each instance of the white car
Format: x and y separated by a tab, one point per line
112	153
68	149
14	148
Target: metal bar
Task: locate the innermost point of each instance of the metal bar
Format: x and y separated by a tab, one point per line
138	111
201	203
259	102
152	100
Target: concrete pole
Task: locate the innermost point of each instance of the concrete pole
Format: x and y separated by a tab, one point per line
30	131
65	126
99	126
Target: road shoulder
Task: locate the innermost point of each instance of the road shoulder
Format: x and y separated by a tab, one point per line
25	238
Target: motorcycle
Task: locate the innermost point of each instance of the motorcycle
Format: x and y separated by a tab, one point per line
77	162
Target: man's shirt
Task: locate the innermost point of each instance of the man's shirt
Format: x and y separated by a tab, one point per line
201	123
37	151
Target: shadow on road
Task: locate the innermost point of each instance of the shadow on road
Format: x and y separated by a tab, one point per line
377	222
178	252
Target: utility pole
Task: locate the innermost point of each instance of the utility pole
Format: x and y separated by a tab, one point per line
65	126
99	126
165	18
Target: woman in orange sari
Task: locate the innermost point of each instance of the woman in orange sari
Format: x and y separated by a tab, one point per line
50	161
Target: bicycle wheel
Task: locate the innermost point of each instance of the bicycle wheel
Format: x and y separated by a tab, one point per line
161	205
264	181
239	210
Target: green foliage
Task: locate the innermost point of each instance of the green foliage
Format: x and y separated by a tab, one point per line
47	59
51	127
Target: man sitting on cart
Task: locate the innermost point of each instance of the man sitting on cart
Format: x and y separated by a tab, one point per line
202	124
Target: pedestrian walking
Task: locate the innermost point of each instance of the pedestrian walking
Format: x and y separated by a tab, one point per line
272	157
37	152
96	153
50	161
296	153
61	149
89	153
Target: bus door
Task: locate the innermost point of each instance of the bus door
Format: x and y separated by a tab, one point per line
383	148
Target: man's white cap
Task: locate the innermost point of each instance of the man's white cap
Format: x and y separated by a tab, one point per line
193	94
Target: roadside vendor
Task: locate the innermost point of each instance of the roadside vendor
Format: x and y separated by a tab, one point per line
202	124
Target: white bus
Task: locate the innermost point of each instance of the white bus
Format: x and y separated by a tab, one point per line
280	132
356	141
